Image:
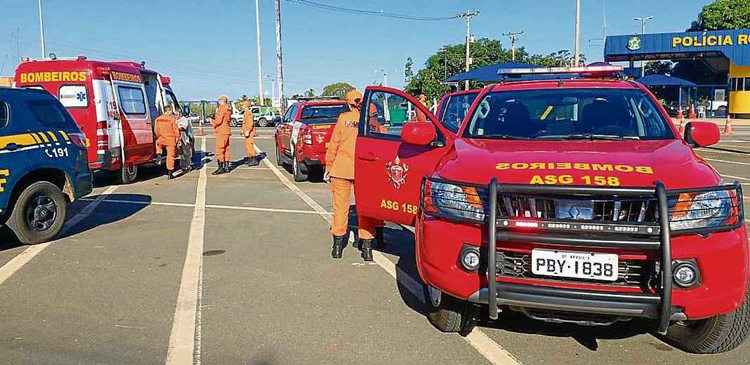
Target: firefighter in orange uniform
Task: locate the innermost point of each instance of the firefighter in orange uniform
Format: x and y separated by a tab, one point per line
222	132
248	131
167	135
421	117
340	173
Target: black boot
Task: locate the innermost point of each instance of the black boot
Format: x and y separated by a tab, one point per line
338	246
220	170
380	237
227	167
366	248
170	174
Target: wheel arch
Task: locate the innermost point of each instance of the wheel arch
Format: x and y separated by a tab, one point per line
50	174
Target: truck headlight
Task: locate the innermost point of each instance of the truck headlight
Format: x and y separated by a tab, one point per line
453	201
702	210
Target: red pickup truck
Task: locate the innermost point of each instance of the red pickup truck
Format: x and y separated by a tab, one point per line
303	134
569	200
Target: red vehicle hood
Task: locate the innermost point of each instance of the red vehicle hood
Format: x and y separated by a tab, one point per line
629	163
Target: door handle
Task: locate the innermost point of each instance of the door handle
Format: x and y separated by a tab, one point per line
369	157
12	146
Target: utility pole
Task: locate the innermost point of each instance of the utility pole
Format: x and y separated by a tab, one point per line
643	20
513	38
467	17
261	98
279	57
576	55
41	30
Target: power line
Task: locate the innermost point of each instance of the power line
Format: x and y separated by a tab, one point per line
513	38
381	13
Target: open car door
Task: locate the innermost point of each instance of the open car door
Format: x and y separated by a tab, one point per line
388	170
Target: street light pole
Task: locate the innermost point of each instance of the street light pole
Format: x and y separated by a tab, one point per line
576	56
279	57
643	21
41	30
513	38
467	16
257	46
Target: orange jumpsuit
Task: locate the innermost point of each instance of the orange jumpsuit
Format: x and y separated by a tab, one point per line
248	131
222	132
340	167
167	135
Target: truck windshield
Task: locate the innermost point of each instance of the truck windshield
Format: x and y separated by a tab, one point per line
322	113
568	114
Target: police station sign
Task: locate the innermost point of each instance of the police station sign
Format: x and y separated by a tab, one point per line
711	40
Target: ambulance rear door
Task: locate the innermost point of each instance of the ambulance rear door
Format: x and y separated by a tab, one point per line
137	131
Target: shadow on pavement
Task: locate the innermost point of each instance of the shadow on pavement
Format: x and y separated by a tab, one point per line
400	243
114	208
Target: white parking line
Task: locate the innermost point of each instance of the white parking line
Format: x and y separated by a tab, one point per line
713	150
735	177
184	338
12	266
725	161
270	210
491	350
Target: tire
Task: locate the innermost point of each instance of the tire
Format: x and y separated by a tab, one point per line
299	175
713	335
449	314
39	213
128	174
262	122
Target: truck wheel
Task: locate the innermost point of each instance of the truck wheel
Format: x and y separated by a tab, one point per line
299	175
449	314
712	335
39	213
128	174
262	122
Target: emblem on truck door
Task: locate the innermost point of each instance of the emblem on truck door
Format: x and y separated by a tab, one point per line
397	172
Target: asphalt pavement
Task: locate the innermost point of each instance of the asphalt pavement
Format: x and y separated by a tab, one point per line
235	269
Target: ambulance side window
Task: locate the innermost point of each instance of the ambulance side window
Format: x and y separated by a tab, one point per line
131	100
4	114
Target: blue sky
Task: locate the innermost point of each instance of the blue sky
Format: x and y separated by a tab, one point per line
208	46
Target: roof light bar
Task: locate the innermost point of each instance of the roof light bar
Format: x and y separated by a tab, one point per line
560	70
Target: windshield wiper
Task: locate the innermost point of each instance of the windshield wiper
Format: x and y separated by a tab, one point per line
505	136
589	136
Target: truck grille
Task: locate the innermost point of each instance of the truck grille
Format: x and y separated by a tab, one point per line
627	211
518	265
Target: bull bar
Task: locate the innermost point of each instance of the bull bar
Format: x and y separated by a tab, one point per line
658	238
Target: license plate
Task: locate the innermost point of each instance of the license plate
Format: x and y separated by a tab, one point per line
578	265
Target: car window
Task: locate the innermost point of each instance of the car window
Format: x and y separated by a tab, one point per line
132	100
322	114
4	114
49	113
387	113
290	113
568	114
73	96
455	110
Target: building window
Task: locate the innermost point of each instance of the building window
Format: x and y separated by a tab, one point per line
74	96
132	100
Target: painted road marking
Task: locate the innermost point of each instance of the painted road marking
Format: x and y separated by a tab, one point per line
735	177
12	266
725	161
490	349
184	338
212	206
714	150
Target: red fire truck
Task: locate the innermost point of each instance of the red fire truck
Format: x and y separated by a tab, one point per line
570	200
114	104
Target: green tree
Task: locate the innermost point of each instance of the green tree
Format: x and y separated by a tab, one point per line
337	89
408	70
310	93
723	14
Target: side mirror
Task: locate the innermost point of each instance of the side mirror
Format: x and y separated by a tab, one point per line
185	110
702	134
418	133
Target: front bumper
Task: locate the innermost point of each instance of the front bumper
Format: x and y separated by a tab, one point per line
440	242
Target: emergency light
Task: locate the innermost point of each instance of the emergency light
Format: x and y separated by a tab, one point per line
562	72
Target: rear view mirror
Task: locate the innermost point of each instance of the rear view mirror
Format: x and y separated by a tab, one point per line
418	133
702	134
